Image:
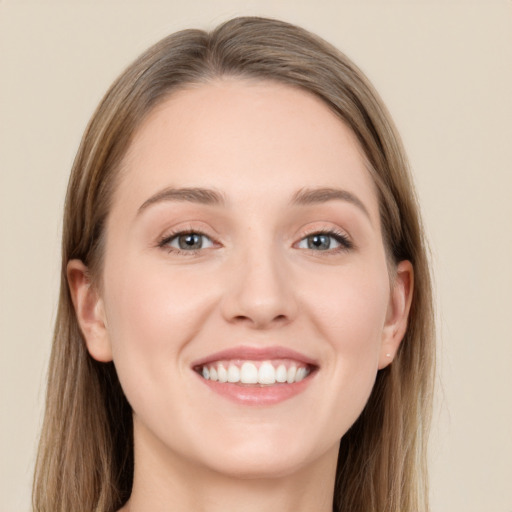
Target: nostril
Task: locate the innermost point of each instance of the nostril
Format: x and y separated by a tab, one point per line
260	320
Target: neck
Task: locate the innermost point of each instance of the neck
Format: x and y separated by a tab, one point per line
164	482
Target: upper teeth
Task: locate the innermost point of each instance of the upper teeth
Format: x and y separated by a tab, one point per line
249	373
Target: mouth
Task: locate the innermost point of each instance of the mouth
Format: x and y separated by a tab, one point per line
253	372
256	376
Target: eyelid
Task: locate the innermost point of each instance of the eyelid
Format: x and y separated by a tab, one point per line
164	240
177	236
341	236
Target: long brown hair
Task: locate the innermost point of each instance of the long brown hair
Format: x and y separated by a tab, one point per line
85	460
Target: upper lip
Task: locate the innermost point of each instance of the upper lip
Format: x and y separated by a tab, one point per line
255	354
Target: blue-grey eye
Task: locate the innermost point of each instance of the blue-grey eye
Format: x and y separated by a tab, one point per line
190	242
322	242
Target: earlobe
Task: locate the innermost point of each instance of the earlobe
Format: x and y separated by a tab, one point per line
398	312
89	311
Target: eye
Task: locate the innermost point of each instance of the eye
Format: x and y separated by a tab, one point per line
325	242
189	241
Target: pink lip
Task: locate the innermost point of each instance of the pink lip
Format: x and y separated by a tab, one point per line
256	394
256	354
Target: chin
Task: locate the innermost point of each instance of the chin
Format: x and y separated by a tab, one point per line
261	465
265	456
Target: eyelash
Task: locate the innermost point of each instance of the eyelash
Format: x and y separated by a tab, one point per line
345	243
165	241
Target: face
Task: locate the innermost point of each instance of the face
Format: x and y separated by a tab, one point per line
246	299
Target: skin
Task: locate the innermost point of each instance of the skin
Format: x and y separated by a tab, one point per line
256	282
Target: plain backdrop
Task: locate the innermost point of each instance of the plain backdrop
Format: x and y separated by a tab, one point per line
444	69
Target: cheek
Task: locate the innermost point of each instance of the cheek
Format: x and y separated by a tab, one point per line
149	302
151	318
349	307
349	312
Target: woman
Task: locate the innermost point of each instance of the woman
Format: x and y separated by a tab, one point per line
245	315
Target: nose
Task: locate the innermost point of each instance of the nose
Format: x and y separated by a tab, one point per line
260	291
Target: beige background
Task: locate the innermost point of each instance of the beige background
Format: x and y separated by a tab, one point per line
444	68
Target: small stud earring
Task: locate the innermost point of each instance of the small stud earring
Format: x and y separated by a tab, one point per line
388	355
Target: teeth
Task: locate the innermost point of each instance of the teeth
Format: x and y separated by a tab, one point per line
222	373
290	377
264	373
301	373
233	373
281	373
248	374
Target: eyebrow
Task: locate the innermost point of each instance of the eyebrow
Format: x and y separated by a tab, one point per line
304	197
307	196
191	194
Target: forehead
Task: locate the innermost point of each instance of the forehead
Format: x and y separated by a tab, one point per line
244	138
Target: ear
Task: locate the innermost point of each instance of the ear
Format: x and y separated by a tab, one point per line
89	310
398	312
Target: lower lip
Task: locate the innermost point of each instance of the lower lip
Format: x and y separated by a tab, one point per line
257	395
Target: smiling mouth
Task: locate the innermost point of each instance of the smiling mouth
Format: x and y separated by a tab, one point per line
255	373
